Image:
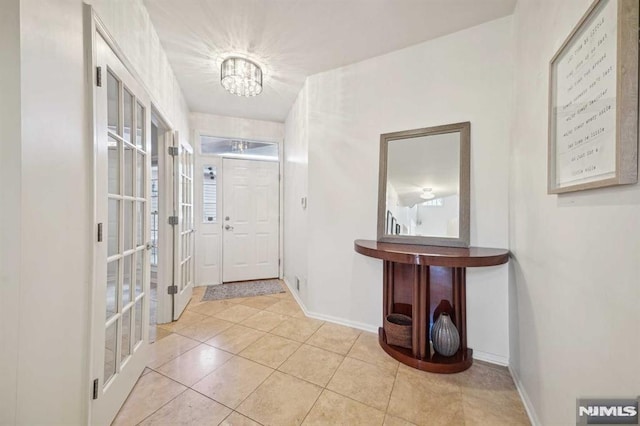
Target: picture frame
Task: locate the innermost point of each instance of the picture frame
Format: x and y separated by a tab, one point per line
388	222
593	101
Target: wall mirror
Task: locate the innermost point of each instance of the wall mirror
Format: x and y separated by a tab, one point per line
424	186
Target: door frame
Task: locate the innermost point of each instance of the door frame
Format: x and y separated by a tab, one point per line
201	159
93	27
164	306
183	290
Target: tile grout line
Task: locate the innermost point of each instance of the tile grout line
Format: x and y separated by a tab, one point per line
393	387
251	393
274	369
270	333
312	405
163	405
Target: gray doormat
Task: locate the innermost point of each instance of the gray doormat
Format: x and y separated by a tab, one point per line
242	289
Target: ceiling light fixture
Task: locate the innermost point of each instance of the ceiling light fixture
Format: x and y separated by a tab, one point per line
427	194
239	146
241	77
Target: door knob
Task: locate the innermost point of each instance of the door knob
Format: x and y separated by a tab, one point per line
228	227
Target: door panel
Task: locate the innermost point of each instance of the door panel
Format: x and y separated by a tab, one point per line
184	262
250	211
120	302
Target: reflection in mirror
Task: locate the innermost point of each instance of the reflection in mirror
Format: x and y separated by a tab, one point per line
424	186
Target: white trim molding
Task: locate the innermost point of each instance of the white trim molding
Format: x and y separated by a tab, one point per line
528	406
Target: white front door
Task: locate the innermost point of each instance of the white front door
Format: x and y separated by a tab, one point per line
250	220
122	265
184	238
208	220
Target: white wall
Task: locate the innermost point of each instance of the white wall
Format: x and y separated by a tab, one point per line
54	286
575	326
440	220
10	200
50	182
130	25
466	76
234	127
295	189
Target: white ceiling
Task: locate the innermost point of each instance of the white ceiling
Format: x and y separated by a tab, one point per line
424	162
293	39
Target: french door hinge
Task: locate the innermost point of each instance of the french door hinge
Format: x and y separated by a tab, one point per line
172	289
99	76
94	394
173	151
100	232
173	220
279	262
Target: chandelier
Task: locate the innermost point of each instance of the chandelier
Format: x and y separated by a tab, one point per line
427	194
239	146
241	77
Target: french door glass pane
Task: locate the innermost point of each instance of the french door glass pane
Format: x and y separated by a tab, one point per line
112	102
114	167
112	288
129	153
139	126
140	222
138	324
184	276
110	352
139	271
128	225
126	280
125	349
112	227
140	177
128	115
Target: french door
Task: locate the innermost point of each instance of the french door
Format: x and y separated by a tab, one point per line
250	220
184	238
122	264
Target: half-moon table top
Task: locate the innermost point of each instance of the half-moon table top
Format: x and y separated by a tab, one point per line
453	257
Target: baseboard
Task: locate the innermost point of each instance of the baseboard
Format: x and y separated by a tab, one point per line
342	321
528	406
329	318
479	355
491	358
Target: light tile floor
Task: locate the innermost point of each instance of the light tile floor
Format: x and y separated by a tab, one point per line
260	361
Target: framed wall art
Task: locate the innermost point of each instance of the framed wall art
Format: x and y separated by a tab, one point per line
593	101
388	222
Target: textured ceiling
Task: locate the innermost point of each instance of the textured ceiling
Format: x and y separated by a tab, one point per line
293	39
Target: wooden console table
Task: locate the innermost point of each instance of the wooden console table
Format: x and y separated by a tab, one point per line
419	281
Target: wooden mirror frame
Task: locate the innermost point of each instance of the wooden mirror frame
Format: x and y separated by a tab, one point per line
464	129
